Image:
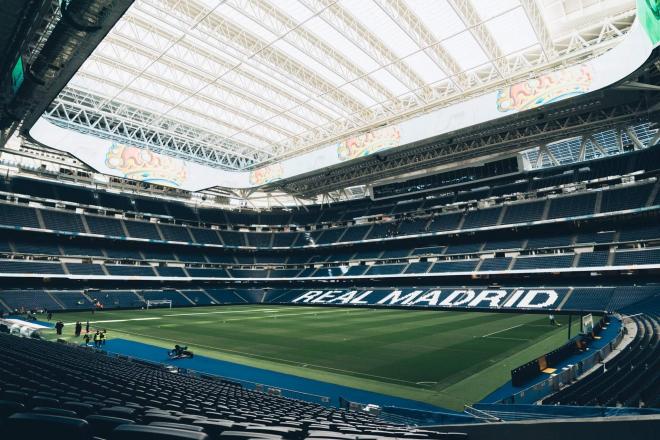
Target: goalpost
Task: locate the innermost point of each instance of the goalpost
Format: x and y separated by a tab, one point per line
158	302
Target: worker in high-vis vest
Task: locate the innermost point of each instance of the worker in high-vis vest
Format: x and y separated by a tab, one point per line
97	339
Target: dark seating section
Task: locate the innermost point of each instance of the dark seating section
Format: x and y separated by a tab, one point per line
572	206
105	226
62	221
565	206
524	212
578	298
13	215
543	262
54	390
625	198
630	379
515	224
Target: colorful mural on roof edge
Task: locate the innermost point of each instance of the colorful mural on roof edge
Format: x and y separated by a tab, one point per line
146	166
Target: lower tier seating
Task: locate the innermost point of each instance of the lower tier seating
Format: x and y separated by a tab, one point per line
632	378
581	298
52	390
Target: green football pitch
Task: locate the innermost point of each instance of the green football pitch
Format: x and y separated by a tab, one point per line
443	358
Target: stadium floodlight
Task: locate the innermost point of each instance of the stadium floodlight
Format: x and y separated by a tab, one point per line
158	302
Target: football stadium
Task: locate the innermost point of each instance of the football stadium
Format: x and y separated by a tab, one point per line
329	219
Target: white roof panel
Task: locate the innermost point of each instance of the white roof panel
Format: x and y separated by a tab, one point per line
273	78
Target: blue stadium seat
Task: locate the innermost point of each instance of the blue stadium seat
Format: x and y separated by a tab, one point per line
544	262
175	233
133	271
523	212
105	226
572	206
142	230
482	217
14	215
626	198
62	221
495	264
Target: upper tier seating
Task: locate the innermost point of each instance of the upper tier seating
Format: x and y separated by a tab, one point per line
572	206
12	215
455	266
481	218
32	267
625	198
445	222
105	226
543	262
62	221
495	264
175	233
36	247
524	212
142	271
464	189
642	256
142	230
589	259
566	206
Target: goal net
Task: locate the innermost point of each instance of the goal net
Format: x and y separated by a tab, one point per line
587	323
151	303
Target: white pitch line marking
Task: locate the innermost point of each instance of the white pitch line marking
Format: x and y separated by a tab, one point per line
117	320
222	312
501	331
509	339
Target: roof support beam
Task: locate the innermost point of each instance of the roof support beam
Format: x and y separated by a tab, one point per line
109	126
220	59
124	110
346	24
535	17
280	23
80	101
410	23
468	13
255	47
185	71
637	144
220	111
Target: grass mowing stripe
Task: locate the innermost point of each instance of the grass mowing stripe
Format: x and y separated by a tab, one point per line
382	350
287	361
